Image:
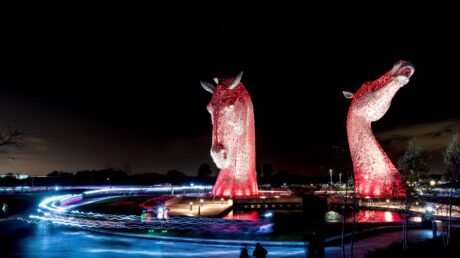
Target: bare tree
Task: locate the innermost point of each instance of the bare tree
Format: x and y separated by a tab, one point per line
413	166
452	160
10	138
344	165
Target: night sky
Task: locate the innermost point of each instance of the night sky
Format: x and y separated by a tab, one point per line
116	83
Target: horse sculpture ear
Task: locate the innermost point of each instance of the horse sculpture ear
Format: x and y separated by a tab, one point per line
348	94
236	81
207	86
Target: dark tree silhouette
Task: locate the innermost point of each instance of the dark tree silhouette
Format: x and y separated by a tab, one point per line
413	166
258	170
345	167
175	176
108	176
282	177
452	160
268	171
204	170
10	138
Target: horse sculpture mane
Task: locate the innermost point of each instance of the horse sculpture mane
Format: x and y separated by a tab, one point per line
375	175
233	137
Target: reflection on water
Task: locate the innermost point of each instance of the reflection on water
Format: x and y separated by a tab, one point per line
368	216
247	215
365	216
20	239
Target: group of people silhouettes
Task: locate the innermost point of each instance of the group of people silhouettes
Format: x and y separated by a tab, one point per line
315	247
259	252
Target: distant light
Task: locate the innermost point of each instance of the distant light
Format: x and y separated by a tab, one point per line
416	203
429	209
191	203
284	184
192	184
417	219
432	182
263	197
388	200
56	188
276	196
388	216
268	215
201	200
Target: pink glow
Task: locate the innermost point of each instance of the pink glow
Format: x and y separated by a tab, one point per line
375	174
154	202
369	216
233	138
248	215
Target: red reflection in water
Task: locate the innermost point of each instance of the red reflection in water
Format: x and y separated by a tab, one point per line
249	215
376	216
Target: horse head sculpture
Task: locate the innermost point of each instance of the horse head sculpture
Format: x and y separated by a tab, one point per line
233	137
375	174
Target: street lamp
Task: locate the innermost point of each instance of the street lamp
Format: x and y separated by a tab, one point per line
330	174
191	203
340	178
221	201
201	202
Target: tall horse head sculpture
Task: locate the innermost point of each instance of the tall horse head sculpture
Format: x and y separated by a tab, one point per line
375	174
233	137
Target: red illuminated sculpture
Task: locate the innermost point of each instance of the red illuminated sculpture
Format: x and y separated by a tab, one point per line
233	137
375	174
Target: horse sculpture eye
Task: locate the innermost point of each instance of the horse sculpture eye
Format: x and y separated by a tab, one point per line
209	109
229	109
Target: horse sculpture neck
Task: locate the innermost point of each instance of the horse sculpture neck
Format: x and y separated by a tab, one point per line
375	174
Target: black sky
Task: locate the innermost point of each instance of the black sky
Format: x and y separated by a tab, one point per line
116	83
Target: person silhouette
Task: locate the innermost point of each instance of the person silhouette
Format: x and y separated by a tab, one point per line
316	247
259	251
244	252
4	210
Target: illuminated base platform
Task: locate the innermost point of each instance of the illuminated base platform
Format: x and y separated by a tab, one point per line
268	202
200	206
